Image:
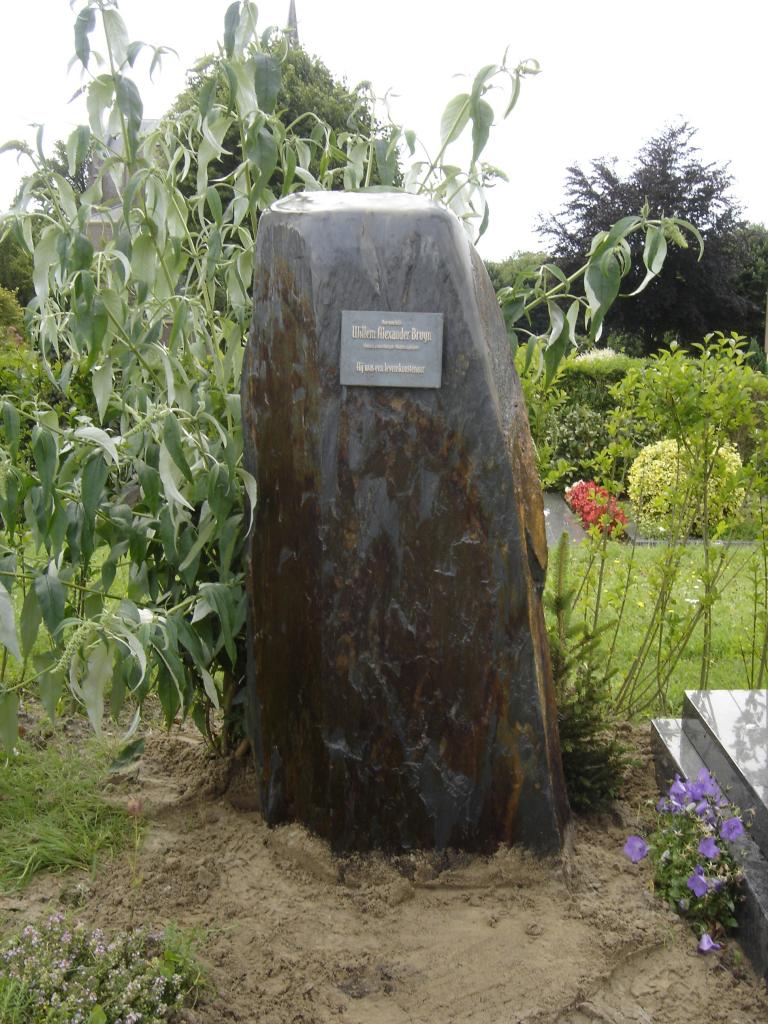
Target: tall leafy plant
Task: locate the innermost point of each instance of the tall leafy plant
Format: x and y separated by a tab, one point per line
583	297
699	403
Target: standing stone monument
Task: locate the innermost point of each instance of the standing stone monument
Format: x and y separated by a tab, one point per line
400	687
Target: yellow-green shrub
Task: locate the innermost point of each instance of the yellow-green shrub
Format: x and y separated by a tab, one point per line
667	493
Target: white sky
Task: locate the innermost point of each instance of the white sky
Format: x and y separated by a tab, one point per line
613	75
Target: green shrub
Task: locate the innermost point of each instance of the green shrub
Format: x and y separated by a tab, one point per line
20	375
667	493
23	381
11	313
594	760
570	420
576	433
628	343
16	266
754	391
543	404
677	392
587	379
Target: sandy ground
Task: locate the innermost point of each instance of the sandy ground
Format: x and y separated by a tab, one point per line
292	935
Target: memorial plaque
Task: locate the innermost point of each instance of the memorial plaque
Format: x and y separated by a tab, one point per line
384	349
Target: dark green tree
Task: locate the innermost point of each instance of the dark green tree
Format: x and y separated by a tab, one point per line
80	177
752	276
694	296
308	95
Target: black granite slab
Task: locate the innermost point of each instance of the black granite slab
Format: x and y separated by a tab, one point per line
673	752
729	729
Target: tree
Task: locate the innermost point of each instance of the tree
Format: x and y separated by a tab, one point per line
80	174
308	98
695	296
751	279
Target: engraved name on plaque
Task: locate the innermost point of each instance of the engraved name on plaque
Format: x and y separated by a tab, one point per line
388	349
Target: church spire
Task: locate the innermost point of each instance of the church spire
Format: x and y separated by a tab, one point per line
293	25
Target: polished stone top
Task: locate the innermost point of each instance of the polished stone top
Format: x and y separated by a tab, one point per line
739	721
389	203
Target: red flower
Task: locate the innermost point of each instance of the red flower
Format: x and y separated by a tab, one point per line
595	506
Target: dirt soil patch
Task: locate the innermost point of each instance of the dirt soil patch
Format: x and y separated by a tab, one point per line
294	935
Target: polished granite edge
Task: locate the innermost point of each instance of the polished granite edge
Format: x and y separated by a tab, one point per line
752	912
737	719
674	753
732	780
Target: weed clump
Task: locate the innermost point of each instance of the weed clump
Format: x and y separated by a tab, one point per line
63	973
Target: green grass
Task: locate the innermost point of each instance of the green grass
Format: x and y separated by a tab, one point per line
52	813
733	616
15	1002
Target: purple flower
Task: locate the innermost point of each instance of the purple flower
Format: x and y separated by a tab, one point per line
732	828
697	883
704	786
708	784
695	790
678	794
706	945
635	848
709	848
